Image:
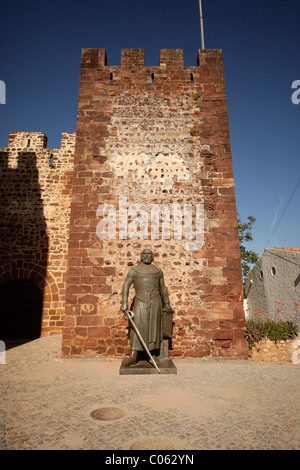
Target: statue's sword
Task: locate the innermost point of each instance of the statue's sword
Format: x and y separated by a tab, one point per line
128	314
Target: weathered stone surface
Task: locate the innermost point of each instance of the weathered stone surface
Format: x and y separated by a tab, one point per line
148	138
154	136
36	184
269	351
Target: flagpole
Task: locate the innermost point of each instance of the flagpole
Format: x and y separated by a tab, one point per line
201	25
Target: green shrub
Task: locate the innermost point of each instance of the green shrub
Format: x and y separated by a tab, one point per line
274	330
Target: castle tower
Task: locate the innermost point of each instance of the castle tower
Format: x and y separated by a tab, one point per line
153	169
35	184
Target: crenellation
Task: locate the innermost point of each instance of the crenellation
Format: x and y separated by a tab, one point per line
93	58
132	58
171	58
27	140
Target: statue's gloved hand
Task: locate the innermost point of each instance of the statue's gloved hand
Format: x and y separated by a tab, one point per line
168	309
124	307
127	313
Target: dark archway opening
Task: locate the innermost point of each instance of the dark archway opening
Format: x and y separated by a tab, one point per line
21	305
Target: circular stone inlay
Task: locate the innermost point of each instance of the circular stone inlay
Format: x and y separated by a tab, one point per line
107	413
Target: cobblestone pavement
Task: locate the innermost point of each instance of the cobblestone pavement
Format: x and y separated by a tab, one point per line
46	403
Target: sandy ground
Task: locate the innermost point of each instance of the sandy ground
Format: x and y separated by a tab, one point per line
47	401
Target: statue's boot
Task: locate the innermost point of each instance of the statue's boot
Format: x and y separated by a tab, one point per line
131	360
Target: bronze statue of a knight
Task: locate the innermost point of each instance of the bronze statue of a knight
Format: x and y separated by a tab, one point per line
151	308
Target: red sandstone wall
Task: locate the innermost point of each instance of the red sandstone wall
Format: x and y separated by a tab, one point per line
162	141
34	218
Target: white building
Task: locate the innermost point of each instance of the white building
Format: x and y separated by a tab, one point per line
272	287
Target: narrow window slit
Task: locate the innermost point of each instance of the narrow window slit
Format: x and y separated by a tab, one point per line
51	159
152	78
28	143
192	79
111	79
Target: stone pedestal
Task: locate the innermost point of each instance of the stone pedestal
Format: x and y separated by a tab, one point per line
166	366
144	366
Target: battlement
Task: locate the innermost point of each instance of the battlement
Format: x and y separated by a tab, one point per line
135	58
36	141
29	150
132	70
24	140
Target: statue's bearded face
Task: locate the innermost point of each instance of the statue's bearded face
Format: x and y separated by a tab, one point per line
147	256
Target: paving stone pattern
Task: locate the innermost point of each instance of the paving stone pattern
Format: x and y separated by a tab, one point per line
46	403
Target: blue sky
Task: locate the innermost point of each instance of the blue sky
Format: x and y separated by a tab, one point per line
40	47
